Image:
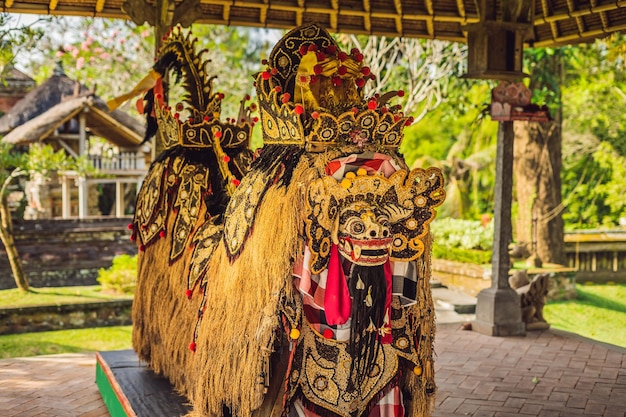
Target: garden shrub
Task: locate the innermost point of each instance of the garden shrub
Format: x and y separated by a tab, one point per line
462	240
121	277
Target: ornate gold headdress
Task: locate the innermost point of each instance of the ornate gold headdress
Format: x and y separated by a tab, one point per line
311	95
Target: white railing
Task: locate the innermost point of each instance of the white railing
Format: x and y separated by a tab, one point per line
123	161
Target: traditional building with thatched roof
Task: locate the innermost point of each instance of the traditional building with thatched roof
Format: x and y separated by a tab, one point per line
67	115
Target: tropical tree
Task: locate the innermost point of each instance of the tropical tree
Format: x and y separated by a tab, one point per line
594	151
16	37
538	162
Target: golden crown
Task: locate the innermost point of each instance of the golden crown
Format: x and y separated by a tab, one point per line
195	121
311	95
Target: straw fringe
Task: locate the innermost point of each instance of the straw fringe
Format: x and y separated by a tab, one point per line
237	333
163	317
422	387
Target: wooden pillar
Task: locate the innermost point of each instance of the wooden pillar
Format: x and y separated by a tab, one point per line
498	310
119	199
82	197
66	198
82	133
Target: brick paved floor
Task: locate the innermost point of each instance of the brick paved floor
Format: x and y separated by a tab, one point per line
545	374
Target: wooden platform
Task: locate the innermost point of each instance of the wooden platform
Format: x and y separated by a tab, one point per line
130	389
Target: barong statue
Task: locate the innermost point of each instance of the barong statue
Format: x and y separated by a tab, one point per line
293	281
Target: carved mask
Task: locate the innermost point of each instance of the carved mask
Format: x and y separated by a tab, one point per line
362	233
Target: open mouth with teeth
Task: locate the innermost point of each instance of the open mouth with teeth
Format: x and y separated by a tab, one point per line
365	252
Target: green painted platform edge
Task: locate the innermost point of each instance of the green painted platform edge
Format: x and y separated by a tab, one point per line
113	398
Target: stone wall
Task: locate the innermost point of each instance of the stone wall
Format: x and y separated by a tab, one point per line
69	316
66	252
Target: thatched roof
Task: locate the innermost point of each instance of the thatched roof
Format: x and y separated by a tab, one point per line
555	21
39	100
15	80
117	127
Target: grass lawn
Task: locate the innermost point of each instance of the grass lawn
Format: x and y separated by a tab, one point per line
598	313
56	296
65	341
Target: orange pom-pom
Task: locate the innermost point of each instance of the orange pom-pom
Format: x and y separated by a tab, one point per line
294	334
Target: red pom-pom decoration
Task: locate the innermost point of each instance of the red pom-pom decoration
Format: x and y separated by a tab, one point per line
342	70
320	55
236	182
130	226
206	118
158	96
176	115
342	56
315	115
226	158
192	346
255	119
218	134
303	49
274	71
264	61
336	81
298	109
179	106
358	57
331	49
401	93
360	82
372	104
317	69
278	89
266	75
133	237
220	96
247	97
162	234
354	110
366	71
328	334
312	48
285	98
188	293
142	248
354	51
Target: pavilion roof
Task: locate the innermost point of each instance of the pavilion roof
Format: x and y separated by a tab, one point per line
115	126
556	21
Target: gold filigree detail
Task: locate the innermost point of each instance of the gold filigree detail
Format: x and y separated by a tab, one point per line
152	204
193	182
397	195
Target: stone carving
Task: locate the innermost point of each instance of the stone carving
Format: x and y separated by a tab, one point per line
532	294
